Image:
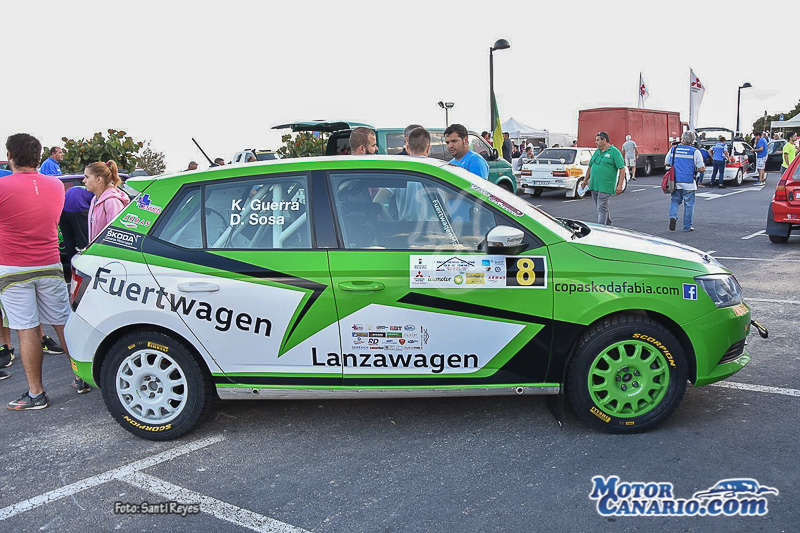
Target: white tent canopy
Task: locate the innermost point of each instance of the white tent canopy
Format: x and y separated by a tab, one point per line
793	122
518	130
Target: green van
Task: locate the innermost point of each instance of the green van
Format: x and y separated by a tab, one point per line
391	142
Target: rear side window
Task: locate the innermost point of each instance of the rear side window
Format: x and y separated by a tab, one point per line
395	143
181	224
258	214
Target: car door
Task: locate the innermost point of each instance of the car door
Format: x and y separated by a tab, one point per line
418	304
238	262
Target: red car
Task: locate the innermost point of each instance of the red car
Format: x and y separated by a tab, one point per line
783	216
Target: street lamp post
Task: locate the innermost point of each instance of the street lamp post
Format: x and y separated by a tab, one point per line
739	103
500	44
447	106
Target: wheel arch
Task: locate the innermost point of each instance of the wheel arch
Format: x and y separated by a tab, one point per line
114	336
672	326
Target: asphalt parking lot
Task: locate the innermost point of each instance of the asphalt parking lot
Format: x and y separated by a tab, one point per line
475	464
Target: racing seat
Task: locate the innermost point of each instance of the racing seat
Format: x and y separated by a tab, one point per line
358	223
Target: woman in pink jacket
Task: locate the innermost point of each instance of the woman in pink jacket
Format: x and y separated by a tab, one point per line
103	180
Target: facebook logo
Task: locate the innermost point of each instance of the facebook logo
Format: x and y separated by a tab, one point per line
689	291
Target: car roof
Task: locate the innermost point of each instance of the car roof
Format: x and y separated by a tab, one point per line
326	126
300	164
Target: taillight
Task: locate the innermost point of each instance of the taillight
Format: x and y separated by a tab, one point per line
526	172
560	174
780	191
79	284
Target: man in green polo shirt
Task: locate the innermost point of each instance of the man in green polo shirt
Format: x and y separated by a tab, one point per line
789	151
606	176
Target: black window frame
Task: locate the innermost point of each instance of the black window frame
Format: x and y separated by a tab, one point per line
157	226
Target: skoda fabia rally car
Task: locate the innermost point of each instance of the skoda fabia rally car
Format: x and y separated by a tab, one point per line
385	277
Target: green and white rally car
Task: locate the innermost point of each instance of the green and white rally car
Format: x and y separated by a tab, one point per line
382	276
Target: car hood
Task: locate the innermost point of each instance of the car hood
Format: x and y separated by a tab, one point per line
616	244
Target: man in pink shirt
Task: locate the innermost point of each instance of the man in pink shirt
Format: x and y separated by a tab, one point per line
32	288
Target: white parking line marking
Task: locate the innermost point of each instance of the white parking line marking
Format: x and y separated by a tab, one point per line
757	388
772	301
710	252
89	482
756	234
222	510
638	190
715	196
575	200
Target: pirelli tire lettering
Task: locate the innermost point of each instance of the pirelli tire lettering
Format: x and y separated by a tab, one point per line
628	373
154	385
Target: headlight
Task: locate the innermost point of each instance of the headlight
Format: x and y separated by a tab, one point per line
723	289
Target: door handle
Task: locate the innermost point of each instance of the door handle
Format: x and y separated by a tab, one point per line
361	286
198	286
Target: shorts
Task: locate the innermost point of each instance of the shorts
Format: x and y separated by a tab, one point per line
761	163
34	295
630	161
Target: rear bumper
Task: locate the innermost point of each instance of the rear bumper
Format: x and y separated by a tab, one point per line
530	183
83	341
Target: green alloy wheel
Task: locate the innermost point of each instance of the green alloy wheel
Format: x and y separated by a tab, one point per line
628	374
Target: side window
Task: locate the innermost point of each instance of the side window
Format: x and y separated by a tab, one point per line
263	214
180	224
407	212
586	157
395	143
478	145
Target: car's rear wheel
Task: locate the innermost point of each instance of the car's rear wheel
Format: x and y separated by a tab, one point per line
778	239
579	193
538	191
628	374
739	178
648	166
154	386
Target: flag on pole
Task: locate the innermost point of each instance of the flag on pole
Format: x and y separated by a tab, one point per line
497	133
696	92
644	92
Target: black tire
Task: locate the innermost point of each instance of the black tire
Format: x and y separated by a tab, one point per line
656	388
778	239
739	178
648	166
537	191
132	380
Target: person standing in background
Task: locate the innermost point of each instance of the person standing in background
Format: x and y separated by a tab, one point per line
631	152
52	165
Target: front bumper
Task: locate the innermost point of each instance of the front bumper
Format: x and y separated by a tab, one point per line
718	342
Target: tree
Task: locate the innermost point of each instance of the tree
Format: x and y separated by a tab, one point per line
759	124
151	161
78	154
305	144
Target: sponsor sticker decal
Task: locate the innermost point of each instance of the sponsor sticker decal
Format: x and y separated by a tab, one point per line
449	271
727	497
143	202
121	239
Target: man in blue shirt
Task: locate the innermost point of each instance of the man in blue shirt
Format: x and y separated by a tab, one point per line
52	165
687	161
457	138
760	149
719	155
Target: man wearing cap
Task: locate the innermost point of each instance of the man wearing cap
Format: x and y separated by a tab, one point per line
605	176
631	155
687	161
192	166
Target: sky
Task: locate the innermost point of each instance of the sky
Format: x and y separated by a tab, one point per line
226	72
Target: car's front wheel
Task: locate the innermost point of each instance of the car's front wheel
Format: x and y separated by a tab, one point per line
628	374
154	386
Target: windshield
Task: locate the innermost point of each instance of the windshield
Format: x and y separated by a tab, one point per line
266	156
557	154
513	202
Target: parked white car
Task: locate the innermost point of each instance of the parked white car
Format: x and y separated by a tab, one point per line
556	168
